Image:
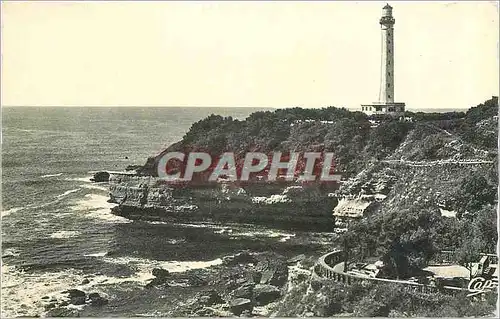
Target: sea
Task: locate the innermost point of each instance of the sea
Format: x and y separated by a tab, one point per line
57	228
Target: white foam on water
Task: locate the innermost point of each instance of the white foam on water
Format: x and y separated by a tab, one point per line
284	239
264	233
236	232
80	179
146	266
224	230
198	225
10	211
64	234
51	175
22	292
10	252
102	254
57	199
66	193
448	213
97	207
95	186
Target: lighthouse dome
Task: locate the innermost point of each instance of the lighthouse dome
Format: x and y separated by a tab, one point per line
387	11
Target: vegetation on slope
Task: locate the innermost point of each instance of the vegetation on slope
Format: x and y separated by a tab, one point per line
323	298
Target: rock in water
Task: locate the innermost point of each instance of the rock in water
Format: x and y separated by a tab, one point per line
243	257
62	312
210	297
100	177
74	293
51	305
133	167
161	277
77	301
239	305
265	294
160	273
97	300
245	291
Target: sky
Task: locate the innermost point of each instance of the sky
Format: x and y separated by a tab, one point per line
255	54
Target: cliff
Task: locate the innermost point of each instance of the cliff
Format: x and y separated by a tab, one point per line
148	198
447	161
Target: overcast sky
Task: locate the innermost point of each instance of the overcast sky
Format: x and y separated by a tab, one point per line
260	54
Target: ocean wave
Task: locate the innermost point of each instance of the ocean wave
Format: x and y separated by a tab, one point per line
237	230
102	254
57	199
64	234
10	252
22	292
94	186
264	234
10	211
97	207
79	179
51	175
66	193
145	266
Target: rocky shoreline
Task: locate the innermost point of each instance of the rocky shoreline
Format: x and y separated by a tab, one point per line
245	284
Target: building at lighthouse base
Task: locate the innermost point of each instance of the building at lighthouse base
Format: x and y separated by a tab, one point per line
389	108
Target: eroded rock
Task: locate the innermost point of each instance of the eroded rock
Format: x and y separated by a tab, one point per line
62	312
100	177
245	291
243	257
210	297
264	294
97	300
273	272
160	273
239	305
74	293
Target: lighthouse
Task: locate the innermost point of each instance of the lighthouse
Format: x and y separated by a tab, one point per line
385	103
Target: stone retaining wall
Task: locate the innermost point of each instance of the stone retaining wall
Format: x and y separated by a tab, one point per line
324	269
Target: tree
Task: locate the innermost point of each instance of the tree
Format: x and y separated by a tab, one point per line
403	239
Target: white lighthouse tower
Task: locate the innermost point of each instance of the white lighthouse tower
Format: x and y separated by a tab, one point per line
386	104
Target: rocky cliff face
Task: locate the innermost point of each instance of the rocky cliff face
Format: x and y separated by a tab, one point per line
146	197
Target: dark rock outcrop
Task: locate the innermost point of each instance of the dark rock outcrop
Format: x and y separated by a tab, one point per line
245	291
243	257
76	296
264	294
77	300
62	312
133	167
272	271
100	177
74	293
97	300
161	277
160	273
209	298
296	259
239	305
85	281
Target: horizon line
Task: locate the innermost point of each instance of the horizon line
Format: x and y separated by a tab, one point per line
212	106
